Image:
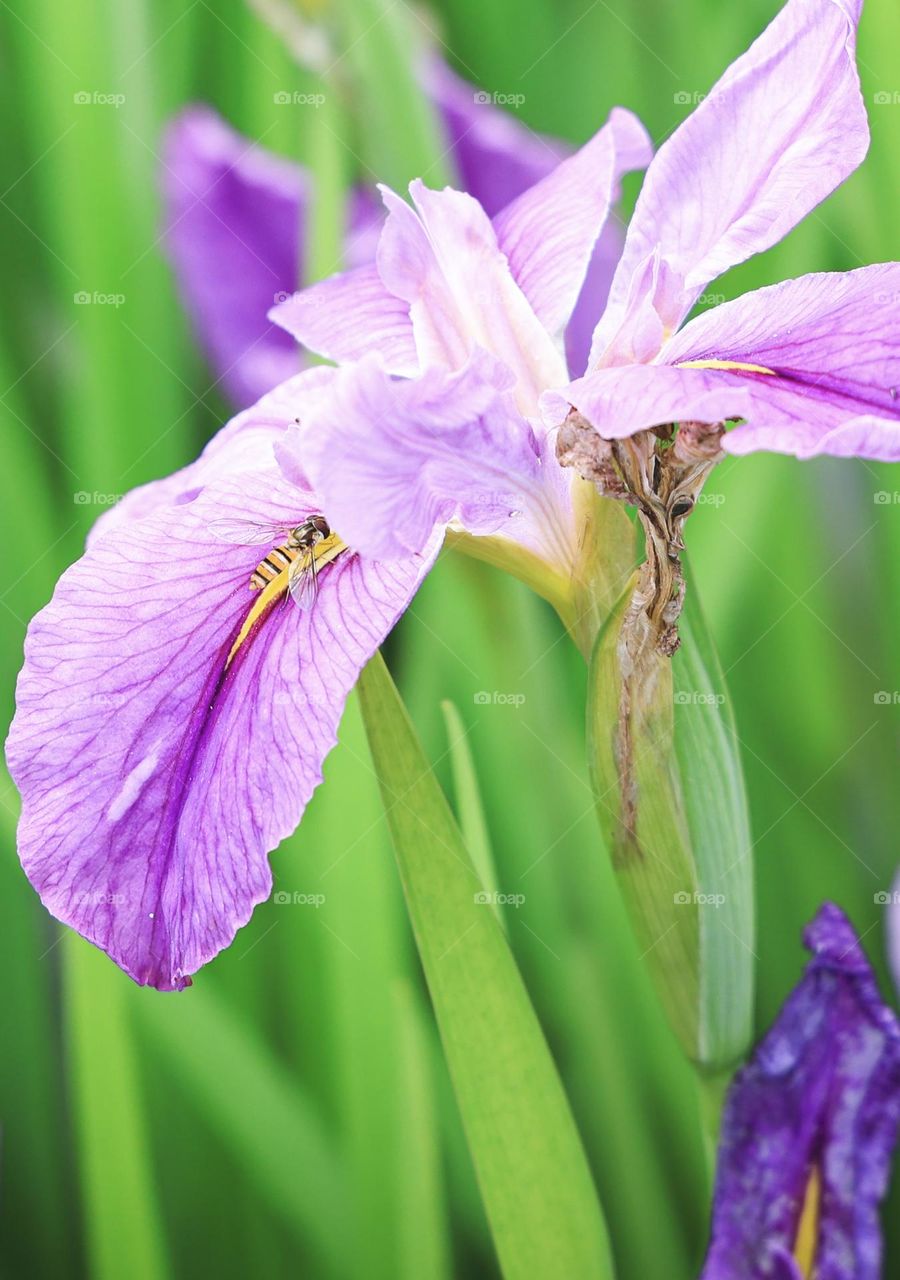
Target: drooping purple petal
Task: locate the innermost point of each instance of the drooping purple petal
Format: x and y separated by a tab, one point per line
779	132
820	1099
833	342
549	232
155	774
235	230
234	223
393	460
812	366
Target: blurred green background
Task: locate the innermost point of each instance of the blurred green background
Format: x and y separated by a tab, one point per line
291	1114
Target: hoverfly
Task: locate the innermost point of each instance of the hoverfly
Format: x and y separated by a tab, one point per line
294	552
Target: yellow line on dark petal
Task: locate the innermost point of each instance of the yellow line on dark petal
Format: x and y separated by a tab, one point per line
737	365
808	1229
324	552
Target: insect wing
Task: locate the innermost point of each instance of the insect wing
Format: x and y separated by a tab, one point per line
249	533
303	581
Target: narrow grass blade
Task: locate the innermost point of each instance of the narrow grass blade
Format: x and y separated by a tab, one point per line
541	1204
124	1231
254	1106
470	813
424	1239
400	133
36	1222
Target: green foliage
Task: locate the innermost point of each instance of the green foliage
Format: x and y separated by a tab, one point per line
293	1111
532	1171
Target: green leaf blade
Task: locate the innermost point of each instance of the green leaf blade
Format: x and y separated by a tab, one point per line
537	1189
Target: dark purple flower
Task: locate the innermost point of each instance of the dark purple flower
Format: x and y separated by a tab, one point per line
811	365
809	1127
236	218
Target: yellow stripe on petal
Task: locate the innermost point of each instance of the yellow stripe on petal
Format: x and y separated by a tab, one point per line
807	1241
323	552
735	366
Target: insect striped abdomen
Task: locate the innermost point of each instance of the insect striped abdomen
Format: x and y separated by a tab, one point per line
278	559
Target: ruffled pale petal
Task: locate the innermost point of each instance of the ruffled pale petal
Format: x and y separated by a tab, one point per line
350	316
593	296
780	131
821	1093
549	232
394	460
154	778
443	259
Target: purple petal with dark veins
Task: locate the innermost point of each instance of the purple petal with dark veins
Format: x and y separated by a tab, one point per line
833	342
822	1092
155	777
830	344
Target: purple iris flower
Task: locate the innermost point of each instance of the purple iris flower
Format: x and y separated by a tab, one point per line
175	705
236	219
808	366
809	1127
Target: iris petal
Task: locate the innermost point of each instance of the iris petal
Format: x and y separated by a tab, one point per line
155	775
